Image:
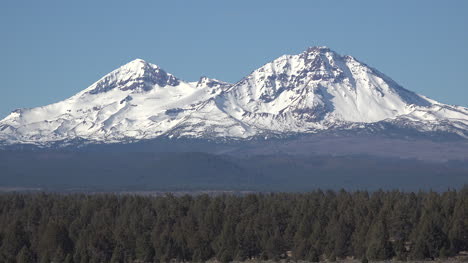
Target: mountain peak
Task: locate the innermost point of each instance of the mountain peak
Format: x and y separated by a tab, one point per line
137	66
320	49
138	60
135	75
321	58
315	91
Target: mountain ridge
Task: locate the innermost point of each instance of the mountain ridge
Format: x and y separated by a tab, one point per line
309	93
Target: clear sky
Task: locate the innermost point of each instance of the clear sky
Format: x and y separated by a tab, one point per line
50	50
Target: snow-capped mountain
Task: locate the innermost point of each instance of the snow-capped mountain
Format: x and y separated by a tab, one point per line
312	92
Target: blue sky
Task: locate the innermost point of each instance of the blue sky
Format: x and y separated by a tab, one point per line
50	50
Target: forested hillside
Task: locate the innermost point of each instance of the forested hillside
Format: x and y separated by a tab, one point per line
133	171
311	226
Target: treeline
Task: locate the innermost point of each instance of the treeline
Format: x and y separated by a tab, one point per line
321	225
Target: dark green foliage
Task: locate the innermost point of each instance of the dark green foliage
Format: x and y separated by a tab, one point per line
313	256
312	227
379	246
24	256
117	255
15	239
55	242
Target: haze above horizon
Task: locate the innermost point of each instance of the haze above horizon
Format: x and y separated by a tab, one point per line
52	50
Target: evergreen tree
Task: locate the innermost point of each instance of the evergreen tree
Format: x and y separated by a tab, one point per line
458	227
429	240
15	239
400	250
225	256
25	256
109	228
118	255
55	242
144	249
379	246
59	255
313	255
68	259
